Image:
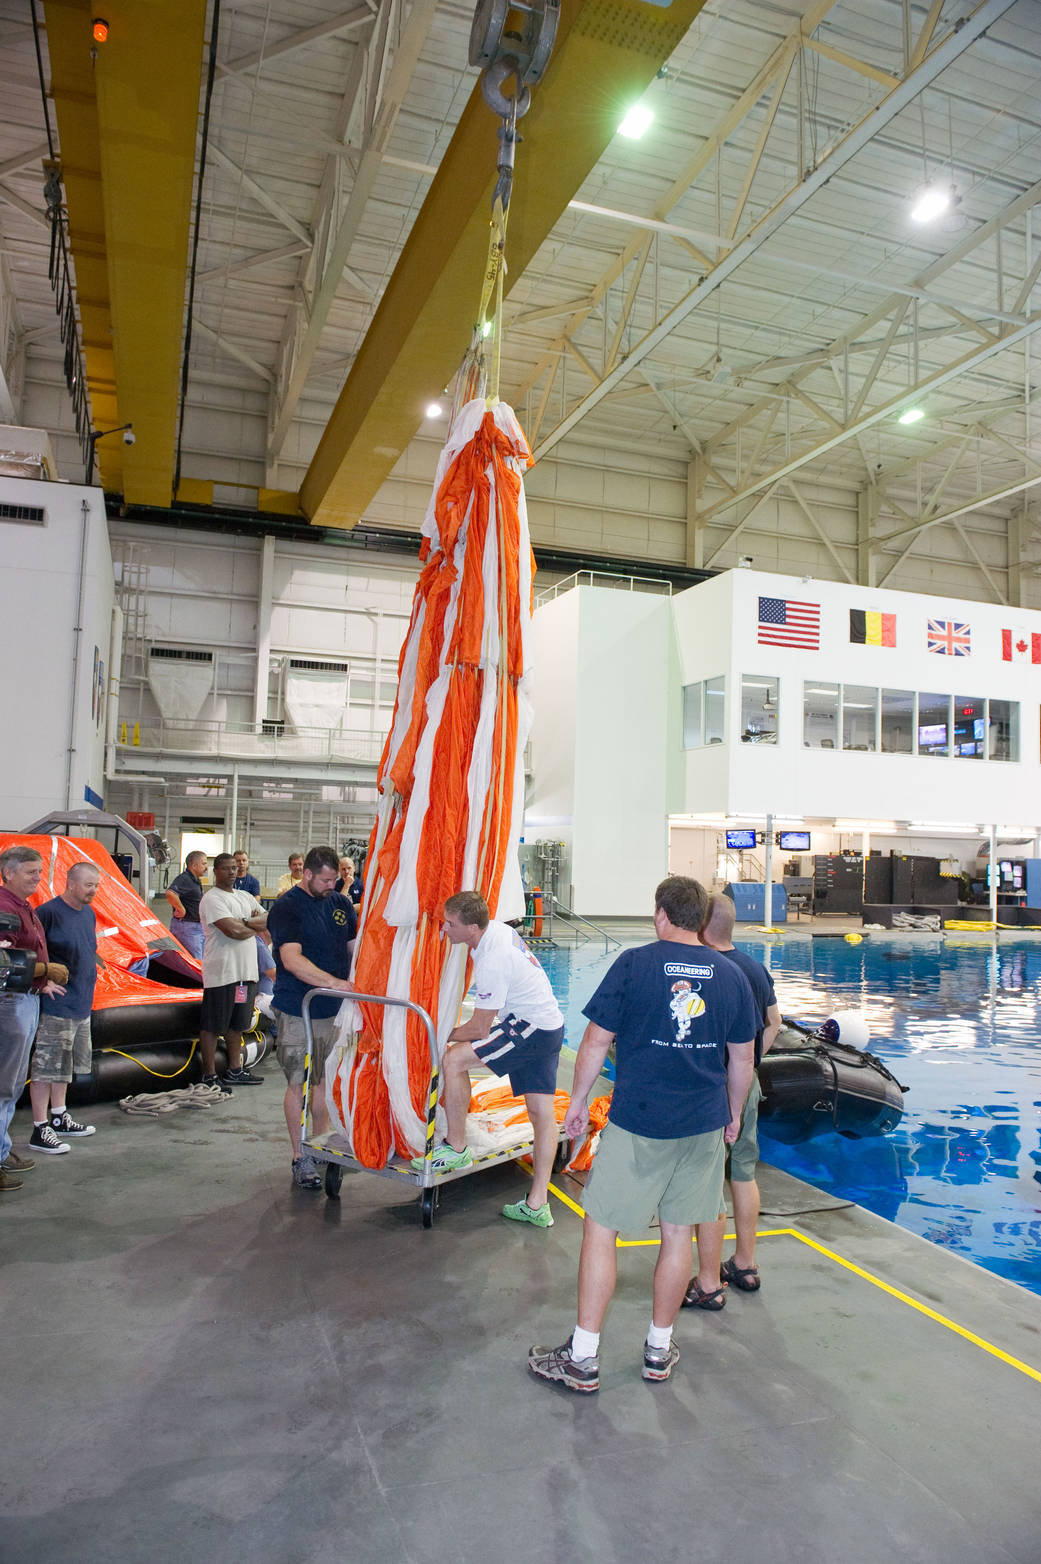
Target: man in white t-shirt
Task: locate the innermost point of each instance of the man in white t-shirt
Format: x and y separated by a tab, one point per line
516	1030
231	921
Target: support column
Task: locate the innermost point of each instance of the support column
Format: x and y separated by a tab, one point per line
695	538
768	876
867	523
1018	534
233	823
264	597
994	876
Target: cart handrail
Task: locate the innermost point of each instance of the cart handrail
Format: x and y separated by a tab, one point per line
375	999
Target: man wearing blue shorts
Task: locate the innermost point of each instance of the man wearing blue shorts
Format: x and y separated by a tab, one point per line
683	1021
516	1030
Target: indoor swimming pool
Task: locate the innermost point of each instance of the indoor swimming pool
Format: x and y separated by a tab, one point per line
958	1021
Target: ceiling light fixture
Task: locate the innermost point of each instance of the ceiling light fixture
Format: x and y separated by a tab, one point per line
99	29
434	410
911	415
636	123
931	203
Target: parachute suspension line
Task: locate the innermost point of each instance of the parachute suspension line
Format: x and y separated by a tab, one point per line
506	42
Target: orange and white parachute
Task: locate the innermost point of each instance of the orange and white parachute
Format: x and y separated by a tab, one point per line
451	779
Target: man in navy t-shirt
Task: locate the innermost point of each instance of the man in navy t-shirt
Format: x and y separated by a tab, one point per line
63	1037
683	1020
312	931
706	1290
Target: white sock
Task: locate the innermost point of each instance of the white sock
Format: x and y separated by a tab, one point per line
41	1124
584	1343
659	1335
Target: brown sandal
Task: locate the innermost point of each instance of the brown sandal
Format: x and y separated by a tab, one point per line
695	1298
744	1278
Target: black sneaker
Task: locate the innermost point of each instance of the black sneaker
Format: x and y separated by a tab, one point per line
243	1077
65	1124
44	1139
556	1363
218	1081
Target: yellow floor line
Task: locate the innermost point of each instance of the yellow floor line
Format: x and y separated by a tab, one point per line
857	1270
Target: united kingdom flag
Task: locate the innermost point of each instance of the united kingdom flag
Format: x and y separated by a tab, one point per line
949	638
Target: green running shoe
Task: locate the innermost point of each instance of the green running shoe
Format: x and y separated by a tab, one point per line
538	1216
444	1159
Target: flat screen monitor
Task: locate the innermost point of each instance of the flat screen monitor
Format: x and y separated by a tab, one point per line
932	735
793	841
738	841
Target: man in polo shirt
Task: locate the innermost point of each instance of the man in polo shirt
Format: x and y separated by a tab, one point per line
706	1289
244	881
312	930
231	921
683	1021
516	1030
20	871
63	1036
184	895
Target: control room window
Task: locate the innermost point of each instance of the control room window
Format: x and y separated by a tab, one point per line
934	720
820	714
970	727
859	716
897	722
703	712
693	727
715	709
758	709
1003	730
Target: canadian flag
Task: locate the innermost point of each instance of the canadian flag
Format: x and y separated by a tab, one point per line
1018	646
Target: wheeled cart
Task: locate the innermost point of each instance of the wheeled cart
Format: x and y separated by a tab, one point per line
335	1154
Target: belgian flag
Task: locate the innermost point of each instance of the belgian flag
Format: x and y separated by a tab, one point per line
867	628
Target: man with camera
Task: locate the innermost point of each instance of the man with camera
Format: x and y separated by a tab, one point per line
20	871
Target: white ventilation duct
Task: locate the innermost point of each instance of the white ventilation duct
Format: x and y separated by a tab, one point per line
315	693
181	681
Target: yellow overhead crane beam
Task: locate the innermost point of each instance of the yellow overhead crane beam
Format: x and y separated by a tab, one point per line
127	122
606	54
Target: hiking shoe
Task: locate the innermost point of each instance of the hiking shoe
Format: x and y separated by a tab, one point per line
445	1159
538	1216
17	1164
218	1082
659	1362
305	1174
8	1181
44	1139
557	1364
243	1077
64	1124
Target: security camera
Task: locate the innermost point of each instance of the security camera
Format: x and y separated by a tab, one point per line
746	561
129	437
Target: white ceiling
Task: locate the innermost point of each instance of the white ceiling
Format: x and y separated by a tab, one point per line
820	305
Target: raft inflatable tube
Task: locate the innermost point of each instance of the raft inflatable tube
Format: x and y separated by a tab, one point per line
813	1083
158	1067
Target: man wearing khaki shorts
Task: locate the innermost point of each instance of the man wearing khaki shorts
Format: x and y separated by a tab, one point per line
63	1037
683	1022
312	931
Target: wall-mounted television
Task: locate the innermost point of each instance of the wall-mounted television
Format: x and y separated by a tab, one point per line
739	841
793	841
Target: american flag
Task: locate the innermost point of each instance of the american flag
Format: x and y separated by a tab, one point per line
948	637
783	622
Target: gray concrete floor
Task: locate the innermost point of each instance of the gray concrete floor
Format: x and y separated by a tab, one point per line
201	1363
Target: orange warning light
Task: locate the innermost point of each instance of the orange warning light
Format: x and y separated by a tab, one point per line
99	27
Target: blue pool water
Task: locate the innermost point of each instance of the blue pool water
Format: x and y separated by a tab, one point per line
959	1023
